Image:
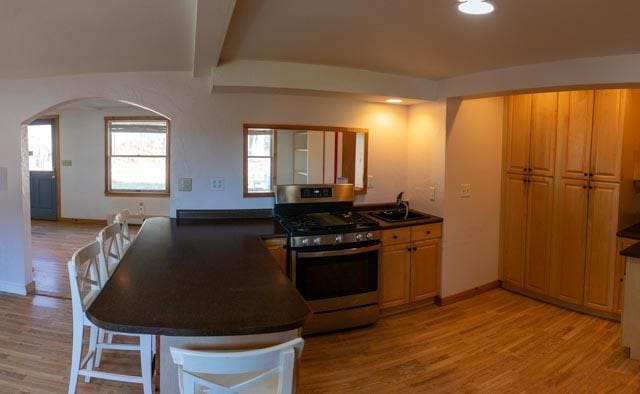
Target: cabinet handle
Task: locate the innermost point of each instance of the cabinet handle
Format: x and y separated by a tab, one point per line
591	174
590	187
586	174
415	249
409	249
395	237
428	232
584	186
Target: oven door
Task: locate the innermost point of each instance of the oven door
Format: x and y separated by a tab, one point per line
337	278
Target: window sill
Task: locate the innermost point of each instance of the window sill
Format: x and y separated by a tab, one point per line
137	194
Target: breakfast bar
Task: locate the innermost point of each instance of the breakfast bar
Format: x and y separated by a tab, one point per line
201	284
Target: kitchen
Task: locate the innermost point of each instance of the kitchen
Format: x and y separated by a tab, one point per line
478	291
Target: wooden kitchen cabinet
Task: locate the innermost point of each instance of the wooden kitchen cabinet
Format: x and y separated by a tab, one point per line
514	209
278	249
395	262
575	120
606	137
518	135
409	265
601	245
570	240
425	270
539	234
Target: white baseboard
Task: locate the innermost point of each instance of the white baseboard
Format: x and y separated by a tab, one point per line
13	288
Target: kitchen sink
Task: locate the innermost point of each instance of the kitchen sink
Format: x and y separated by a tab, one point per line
398	216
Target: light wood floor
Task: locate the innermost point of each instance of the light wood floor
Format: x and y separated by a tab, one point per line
495	342
53	243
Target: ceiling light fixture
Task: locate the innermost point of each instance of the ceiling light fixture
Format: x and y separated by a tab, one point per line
394	101
475	7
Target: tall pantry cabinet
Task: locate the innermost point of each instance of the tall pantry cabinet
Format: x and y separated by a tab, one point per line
575	189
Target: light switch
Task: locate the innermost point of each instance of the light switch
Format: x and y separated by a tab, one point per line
432	193
465	190
4	179
217	184
66	163
370	181
185	184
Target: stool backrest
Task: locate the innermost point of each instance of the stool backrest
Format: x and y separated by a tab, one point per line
267	362
123	218
111	249
84	277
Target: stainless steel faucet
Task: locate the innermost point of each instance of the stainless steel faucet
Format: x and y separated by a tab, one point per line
402	205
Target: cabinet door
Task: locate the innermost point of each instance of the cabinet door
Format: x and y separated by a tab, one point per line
570	239
544	123
395	263
425	270
277	248
575	118
539	230
606	145
518	133
618	280
513	229
601	245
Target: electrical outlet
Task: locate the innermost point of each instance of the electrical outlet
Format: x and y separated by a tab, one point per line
141	209
4	179
465	190
370	181
217	184
432	193
185	184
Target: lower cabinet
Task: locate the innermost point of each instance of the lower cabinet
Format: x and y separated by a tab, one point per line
278	249
619	272
409	265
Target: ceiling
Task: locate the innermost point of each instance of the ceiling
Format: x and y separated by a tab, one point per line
44	38
424	38
430	38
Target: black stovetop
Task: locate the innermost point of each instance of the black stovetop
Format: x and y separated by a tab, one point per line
326	222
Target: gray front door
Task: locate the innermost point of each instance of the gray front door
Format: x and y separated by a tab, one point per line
42	169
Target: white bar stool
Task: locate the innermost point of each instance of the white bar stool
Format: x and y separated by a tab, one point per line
86	283
268	370
123	218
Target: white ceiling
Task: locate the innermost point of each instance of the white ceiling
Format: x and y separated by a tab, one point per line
45	38
430	38
425	38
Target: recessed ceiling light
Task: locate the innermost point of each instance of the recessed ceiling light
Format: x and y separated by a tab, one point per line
394	101
475	7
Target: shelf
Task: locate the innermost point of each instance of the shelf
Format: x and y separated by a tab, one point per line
302	173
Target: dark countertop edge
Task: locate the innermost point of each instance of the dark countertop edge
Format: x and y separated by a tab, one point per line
369	208
186	332
631	251
632	232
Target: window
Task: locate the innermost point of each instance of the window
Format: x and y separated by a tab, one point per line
259	168
137	155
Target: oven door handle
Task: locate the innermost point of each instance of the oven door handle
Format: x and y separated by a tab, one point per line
339	252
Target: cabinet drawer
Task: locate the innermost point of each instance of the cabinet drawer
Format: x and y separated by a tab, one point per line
396	235
426	231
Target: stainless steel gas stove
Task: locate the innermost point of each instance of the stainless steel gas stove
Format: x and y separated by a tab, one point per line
333	254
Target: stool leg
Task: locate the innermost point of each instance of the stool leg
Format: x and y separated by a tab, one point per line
76	353
93	340
145	363
101	336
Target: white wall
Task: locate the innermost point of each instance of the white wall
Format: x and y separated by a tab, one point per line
82	184
426	134
471	226
206	141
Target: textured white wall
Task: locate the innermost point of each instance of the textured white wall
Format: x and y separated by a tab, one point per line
426	134
82	184
471	226
206	141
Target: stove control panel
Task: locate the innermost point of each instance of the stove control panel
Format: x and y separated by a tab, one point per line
335	239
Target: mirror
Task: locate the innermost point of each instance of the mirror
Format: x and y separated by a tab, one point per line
280	155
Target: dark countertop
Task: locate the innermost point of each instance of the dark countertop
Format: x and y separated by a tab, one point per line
370	208
632	232
632	251
202	279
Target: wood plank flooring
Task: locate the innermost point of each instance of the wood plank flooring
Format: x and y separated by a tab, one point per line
53	243
495	342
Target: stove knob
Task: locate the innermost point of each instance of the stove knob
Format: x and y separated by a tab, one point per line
317	240
369	236
338	238
304	241
358	237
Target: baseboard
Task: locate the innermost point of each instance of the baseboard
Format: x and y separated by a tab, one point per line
83	221
567	305
463	295
405	307
13	288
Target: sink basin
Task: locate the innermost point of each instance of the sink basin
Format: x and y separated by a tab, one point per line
398	216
